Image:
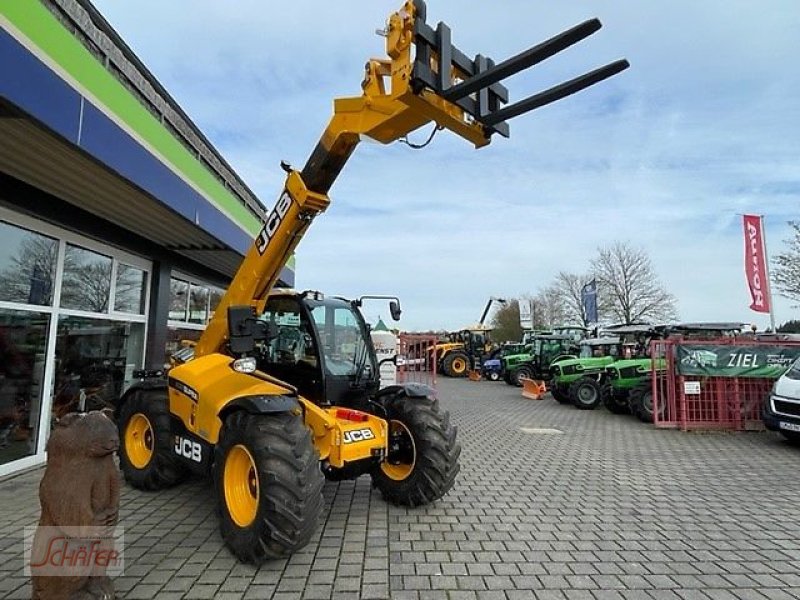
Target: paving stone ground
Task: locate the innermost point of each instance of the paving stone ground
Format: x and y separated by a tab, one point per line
609	509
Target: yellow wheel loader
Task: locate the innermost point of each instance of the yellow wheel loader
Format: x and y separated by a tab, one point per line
281	390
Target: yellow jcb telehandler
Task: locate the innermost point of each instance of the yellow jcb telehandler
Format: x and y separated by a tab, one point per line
282	387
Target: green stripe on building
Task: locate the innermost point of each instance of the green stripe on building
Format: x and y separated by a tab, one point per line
43	29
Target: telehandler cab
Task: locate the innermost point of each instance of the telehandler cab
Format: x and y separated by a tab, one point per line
283	387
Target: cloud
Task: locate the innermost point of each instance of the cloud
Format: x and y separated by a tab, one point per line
702	128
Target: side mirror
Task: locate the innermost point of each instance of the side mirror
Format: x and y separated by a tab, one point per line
241	329
394	309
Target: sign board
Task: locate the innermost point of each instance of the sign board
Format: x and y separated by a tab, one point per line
691	388
526	314
735	361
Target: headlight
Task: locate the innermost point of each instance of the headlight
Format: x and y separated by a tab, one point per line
245	365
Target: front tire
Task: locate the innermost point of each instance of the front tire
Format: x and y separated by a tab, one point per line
560	396
641	401
614	403
269	485
146	454
455	364
422	462
585	393
493	376
521	373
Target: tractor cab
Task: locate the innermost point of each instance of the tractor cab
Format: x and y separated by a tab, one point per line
319	345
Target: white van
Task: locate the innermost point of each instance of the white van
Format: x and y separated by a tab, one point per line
782	408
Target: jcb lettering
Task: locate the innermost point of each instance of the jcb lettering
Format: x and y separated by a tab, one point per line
274	220
358	435
188	449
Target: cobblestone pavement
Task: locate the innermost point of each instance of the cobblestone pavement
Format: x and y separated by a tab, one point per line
607	509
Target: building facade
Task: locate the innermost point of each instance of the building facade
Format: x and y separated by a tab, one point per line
120	224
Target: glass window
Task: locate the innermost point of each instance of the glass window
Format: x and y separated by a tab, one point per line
198	304
23	342
87	280
341	338
178	339
130	289
178	297
27	265
95	358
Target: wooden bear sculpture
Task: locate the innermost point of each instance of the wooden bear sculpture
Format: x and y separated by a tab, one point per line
79	496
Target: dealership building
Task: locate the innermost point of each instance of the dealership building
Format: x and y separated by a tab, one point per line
120	224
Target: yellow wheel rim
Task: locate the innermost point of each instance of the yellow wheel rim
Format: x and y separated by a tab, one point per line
459	365
139	441
398	470
240	481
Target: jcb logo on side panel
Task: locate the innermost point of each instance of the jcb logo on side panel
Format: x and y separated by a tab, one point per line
358	435
274	220
188	449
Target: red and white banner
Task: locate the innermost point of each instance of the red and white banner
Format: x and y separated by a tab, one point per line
755	264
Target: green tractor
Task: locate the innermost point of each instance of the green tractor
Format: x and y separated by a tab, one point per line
577	380
629	382
535	362
627	375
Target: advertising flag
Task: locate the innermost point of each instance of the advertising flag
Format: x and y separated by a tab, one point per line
589	301
755	264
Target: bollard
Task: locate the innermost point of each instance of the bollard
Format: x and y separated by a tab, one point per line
79	497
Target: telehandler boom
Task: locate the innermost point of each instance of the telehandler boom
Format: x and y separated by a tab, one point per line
283	387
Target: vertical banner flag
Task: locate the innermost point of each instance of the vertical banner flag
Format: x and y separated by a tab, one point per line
755	264
589	301
525	314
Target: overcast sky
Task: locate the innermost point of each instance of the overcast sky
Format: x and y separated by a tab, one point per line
703	127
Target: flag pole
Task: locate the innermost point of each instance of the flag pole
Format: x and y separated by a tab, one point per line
769	280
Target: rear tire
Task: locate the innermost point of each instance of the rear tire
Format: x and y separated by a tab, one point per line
146	454
585	393
269	485
423	463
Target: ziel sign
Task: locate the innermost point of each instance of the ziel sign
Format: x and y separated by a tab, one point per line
735	361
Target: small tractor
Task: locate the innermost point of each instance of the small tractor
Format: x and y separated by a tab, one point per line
577	380
543	350
281	390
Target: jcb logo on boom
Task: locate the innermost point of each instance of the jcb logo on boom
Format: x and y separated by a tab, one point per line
274	220
358	435
188	449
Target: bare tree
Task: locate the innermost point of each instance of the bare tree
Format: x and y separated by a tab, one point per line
549	308
629	290
786	274
570	287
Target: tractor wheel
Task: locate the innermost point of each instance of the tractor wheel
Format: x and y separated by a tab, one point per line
641	402
146	455
455	364
422	462
521	373
269	485
508	377
614	403
585	393
559	395
493	376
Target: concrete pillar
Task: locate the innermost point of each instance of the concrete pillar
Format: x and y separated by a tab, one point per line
158	315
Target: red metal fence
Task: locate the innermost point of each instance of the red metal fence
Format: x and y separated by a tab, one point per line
686	402
414	363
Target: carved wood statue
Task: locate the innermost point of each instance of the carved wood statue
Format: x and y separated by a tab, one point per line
79	496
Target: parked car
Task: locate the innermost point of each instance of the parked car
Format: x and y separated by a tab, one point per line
782	407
